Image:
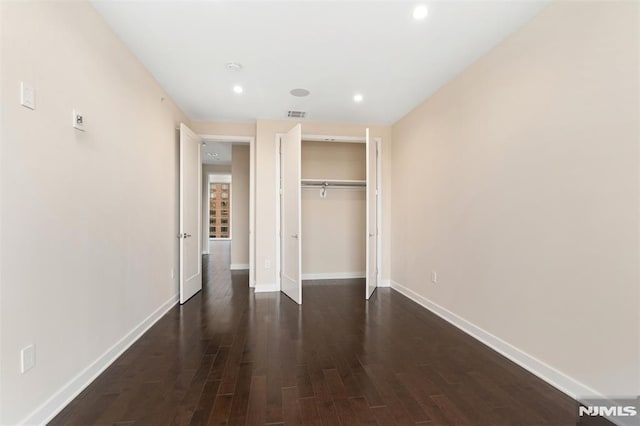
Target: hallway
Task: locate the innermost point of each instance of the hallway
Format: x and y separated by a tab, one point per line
229	356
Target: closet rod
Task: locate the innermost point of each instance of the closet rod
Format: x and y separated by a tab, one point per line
305	186
335	184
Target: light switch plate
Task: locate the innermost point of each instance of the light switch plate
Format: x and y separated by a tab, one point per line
78	120
27	95
27	358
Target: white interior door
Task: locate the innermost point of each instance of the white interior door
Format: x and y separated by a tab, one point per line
190	214
372	219
290	214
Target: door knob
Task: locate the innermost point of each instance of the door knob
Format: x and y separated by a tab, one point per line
371	235
294	236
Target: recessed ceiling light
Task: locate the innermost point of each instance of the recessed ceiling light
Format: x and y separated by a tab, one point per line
420	12
357	97
238	89
300	92
233	66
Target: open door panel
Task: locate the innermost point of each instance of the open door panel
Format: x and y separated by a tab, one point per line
190	214
372	220
290	214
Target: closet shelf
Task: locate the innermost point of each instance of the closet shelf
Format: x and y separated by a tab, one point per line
333	182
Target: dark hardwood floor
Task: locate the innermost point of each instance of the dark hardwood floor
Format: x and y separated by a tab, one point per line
232	357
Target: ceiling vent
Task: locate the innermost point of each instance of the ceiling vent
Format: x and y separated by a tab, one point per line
296	114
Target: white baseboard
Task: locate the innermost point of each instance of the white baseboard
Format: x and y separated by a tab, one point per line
549	374
265	288
238	266
52	406
384	283
333	275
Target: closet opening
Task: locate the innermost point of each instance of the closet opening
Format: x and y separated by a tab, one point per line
333	210
337	183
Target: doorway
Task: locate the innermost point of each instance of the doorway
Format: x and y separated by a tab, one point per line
193	205
227	189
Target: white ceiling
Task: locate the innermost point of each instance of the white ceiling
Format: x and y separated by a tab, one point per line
332	48
220	153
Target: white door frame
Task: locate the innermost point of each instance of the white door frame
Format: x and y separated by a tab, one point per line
252	197
337	139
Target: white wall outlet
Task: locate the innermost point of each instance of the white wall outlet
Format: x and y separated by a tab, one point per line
27	358
27	95
434	277
267	264
78	120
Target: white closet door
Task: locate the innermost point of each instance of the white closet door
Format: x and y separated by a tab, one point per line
190	214
290	213
372	220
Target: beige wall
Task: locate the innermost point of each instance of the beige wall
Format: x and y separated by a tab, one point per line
89	219
333	228
518	183
240	205
214	169
223	128
333	160
266	131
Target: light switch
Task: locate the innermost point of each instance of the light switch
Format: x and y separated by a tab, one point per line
78	120
27	95
27	358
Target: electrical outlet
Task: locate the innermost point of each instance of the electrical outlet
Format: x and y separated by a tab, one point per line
267	264
434	277
27	358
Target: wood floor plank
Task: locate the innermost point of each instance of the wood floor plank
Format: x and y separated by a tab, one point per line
205	404
309	414
290	408
363	412
221	410
339	395
257	401
238	414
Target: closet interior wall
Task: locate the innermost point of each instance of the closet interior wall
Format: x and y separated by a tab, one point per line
333	227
